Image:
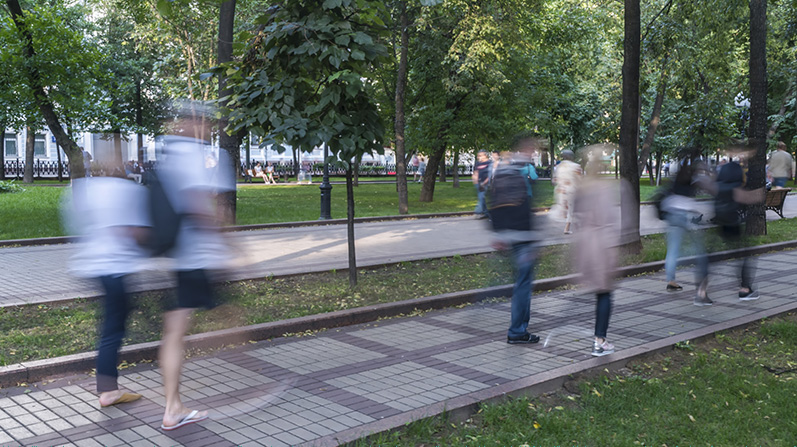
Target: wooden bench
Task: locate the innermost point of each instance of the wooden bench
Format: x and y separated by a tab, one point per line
775	200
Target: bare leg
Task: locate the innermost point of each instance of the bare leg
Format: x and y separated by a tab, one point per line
175	324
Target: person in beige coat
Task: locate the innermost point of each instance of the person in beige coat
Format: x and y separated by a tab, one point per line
596	215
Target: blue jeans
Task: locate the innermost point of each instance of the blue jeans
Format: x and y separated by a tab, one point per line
603	310
113	331
524	255
780	181
678	225
481	206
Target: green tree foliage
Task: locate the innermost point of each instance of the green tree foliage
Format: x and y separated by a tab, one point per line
303	82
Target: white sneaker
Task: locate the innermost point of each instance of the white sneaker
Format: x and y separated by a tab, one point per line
599	350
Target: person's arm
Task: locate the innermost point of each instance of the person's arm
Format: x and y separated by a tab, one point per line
748	197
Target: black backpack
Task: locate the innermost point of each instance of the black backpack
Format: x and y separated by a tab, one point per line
658	197
509	204
165	219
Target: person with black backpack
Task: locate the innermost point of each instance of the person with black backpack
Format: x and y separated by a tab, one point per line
510	211
731	196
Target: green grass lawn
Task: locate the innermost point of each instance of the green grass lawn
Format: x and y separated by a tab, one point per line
730	390
35	213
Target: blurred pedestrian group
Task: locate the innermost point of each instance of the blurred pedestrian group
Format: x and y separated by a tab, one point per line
589	206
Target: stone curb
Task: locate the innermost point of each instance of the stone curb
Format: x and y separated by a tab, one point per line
460	408
38	370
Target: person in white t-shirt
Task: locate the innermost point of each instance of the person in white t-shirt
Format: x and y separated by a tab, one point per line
110	215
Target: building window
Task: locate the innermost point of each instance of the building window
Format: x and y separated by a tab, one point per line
40	146
11	145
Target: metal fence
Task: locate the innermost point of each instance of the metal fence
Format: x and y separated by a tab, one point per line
45	169
41	169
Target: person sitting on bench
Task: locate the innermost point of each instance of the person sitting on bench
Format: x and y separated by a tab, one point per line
260	173
269	178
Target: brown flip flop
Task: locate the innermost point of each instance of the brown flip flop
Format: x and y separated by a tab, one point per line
124	398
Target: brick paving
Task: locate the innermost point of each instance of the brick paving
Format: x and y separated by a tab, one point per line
307	390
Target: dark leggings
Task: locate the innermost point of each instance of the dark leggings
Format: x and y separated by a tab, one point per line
113	331
603	311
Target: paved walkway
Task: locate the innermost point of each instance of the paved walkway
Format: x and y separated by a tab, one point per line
39	274
346	382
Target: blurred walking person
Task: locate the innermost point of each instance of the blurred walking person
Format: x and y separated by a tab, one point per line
191	189
512	222
681	210
110	215
731	197
596	219
481	178
565	180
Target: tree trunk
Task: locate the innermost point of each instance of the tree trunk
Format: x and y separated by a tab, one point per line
229	143
41	99
401	85
629	130
442	168
139	124
552	150
356	174
658	167
350	228
756	177
781	112
650	174
296	163
456	169
30	145
59	169
653	125
2	151
118	161
429	177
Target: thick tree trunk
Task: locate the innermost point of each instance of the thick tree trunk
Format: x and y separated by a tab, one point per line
229	143
400	124
756	176
30	145
350	228
653	125
429	177
629	129
43	102
456	169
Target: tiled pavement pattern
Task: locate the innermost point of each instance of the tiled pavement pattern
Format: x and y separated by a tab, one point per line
296	390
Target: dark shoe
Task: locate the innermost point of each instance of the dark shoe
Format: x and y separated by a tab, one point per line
524	340
703	301
673	288
749	296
